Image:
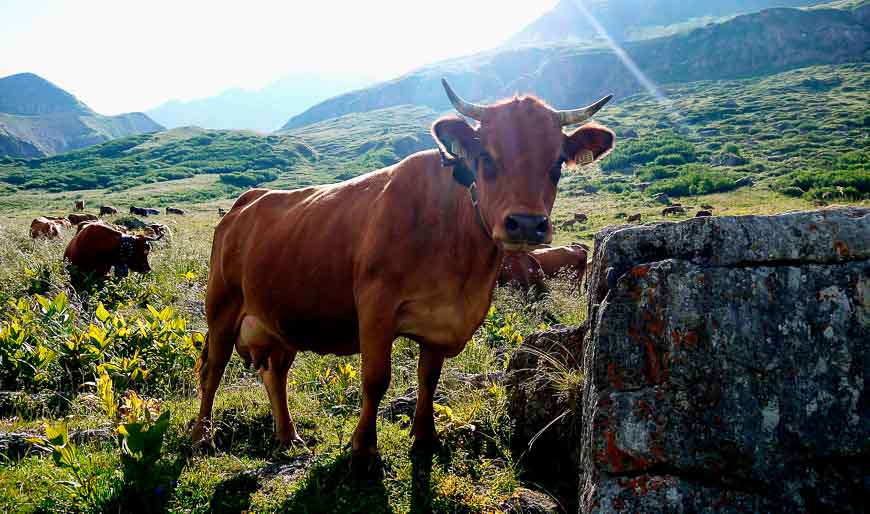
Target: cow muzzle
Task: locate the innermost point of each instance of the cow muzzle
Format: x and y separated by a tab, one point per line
526	230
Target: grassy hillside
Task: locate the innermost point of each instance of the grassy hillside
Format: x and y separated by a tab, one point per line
635	19
804	129
572	75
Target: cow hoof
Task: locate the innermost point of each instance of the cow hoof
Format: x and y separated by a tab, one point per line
425	447
294	442
366	466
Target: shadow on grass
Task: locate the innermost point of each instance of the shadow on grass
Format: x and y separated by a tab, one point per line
330	487
234	494
240	433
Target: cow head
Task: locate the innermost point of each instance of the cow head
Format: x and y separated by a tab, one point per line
133	253
516	155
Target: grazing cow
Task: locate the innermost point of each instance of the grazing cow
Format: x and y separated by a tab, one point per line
75	219
569	224
107	209
521	270
174	210
674	209
80	205
152	212
634	218
703	214
410	250
580	217
45	227
560	260
139	211
97	247
221	212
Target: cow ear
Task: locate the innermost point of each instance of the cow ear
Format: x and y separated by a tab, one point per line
588	144
456	139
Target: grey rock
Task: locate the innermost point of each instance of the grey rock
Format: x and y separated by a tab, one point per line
745	182
546	413
727	366
710	131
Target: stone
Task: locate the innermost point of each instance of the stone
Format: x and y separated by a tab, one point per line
727	366
545	413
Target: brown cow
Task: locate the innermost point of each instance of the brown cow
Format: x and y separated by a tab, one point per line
559	260
410	250
80	205
75	219
158	230
703	214
674	209
174	210
521	270
107	209
45	227
97	247
580	217
634	217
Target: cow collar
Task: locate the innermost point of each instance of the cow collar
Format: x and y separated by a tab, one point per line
466	178
125	252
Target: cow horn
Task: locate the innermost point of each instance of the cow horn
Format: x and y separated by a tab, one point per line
473	111
573	116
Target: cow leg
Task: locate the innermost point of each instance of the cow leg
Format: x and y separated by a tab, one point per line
216	354
275	380
376	341
428	372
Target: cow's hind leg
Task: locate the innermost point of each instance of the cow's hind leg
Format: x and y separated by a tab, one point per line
212	362
275	379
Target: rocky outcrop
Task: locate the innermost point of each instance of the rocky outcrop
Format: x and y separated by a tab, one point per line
727	366
544	406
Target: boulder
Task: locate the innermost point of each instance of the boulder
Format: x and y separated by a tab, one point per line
727	366
545	409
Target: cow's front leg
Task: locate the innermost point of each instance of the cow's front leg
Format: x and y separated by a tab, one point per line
428	372
376	342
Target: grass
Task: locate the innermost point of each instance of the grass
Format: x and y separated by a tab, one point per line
784	129
473	472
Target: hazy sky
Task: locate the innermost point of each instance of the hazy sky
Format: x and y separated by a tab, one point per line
120	56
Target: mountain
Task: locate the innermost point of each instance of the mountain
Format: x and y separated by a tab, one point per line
626	20
569	75
38	119
264	110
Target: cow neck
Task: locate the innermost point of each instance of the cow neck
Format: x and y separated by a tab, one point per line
125	252
466	178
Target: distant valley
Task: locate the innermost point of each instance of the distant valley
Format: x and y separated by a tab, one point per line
264	110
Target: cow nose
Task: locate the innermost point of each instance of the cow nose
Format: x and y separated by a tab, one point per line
527	228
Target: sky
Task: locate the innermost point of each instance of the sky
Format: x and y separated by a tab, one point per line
121	56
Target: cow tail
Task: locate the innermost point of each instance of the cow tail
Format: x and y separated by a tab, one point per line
202	363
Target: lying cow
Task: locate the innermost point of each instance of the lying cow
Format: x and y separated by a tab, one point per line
410	250
703	214
143	211
157	230
75	219
174	210
519	269
45	227
97	247
106	210
634	218
562	260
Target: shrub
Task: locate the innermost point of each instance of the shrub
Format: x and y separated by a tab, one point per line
695	181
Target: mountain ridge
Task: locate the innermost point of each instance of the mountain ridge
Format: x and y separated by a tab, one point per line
770	41
38	119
